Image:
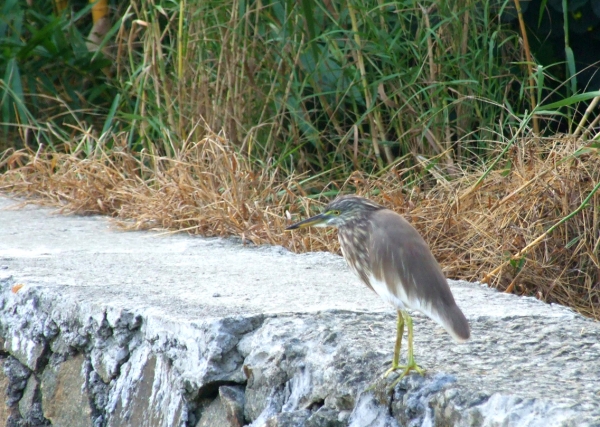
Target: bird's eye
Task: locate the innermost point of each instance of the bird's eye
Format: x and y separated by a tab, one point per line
336	213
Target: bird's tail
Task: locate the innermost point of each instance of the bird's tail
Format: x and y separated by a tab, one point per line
455	322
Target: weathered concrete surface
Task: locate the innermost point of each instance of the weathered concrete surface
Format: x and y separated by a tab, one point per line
144	329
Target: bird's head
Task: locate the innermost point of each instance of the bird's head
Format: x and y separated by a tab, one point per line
339	212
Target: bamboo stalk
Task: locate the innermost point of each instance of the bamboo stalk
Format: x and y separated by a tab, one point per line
363	78
60	5
536	125
99	9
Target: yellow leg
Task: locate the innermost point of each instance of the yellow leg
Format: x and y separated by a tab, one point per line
396	362
399	333
411	365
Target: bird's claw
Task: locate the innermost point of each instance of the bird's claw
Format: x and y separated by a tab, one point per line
406	369
393	369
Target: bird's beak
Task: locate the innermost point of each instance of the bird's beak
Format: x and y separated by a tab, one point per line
312	221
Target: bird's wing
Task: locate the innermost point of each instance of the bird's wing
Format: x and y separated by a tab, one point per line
401	259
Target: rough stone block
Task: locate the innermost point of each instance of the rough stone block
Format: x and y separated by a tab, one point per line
226	410
288	419
17	374
145	394
326	417
106	361
4	407
30	405
233	400
214	415
23	325
65	400
26	350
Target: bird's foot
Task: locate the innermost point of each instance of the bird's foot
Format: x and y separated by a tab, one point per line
406	369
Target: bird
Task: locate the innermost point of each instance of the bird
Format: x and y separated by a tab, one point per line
389	256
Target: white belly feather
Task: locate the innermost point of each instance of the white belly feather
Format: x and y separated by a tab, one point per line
400	301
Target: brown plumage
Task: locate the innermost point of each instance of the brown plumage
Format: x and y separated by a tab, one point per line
393	260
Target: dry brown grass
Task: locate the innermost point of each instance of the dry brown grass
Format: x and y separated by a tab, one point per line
210	190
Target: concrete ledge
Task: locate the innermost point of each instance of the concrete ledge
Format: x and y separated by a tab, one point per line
143	329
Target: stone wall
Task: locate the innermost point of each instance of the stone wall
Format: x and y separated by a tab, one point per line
77	365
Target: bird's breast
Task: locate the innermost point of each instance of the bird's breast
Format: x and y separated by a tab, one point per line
356	249
356	252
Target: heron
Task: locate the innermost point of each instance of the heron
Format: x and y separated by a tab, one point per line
389	256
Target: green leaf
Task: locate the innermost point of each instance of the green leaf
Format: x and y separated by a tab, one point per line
573	242
518	264
571	68
111	114
13	95
507	168
308	7
39	37
569	101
